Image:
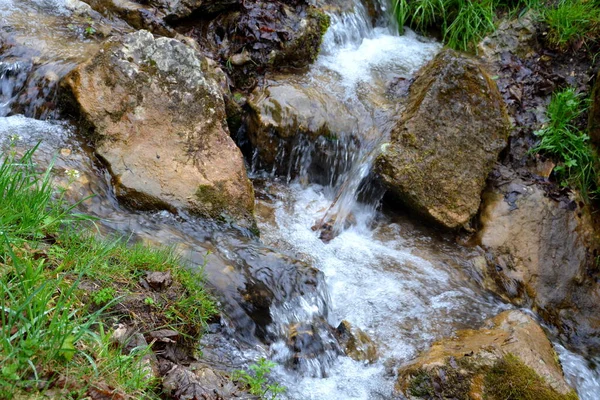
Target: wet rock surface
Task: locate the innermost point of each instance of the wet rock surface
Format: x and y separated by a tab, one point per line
356	343
541	238
459	367
449	136
285	113
138	15
259	283
540	255
259	36
154	111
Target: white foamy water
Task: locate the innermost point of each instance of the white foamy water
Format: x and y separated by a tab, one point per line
401	286
379	57
378	283
581	374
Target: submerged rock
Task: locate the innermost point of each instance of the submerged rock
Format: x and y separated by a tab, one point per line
275	298
155	114
539	255
356	343
511	352
447	140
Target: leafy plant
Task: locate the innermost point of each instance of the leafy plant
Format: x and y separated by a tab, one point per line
560	138
103	296
257	380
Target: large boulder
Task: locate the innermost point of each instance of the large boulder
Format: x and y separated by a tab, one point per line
155	114
509	357
540	254
454	126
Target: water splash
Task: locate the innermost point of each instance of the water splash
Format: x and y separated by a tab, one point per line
400	286
581	374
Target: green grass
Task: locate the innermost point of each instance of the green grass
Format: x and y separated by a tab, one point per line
463	23
257	382
571	21
53	333
471	21
560	138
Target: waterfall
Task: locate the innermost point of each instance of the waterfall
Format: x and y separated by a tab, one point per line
403	284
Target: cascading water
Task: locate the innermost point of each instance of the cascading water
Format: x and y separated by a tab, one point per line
405	286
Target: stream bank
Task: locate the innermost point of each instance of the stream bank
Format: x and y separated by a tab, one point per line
404	284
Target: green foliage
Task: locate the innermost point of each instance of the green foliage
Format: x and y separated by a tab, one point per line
115	260
48	335
104	296
470	23
572	20
560	138
129	372
257	380
30	208
463	23
40	322
510	379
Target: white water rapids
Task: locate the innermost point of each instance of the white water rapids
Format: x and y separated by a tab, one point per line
403	284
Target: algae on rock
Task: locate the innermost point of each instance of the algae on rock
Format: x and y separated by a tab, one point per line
155	113
479	364
454	126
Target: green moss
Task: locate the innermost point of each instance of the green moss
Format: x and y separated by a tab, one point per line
421	385
510	379
507	379
451	381
275	110
305	47
212	202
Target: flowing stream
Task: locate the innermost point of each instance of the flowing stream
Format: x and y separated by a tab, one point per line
403	284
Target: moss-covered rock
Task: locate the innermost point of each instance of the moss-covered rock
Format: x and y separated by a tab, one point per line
509	358
154	111
454	126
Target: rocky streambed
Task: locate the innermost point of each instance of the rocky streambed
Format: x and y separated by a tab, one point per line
363	204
